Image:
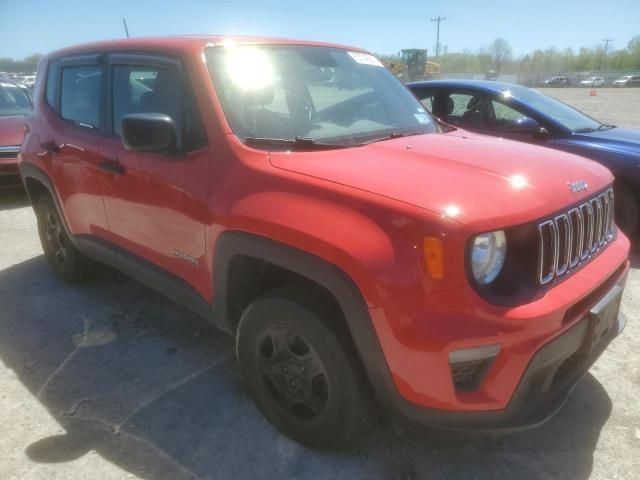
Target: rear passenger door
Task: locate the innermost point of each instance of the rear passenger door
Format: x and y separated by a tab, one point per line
156	202
75	91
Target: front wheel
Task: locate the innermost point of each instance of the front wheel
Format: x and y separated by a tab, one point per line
300	375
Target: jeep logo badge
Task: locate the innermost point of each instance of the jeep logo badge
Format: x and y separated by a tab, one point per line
577	186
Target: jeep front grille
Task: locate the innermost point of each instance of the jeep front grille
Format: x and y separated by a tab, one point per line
573	237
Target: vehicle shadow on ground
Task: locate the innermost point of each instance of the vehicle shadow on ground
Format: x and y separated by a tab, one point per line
13	198
155	390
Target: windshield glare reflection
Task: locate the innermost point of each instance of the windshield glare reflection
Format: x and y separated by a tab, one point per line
318	94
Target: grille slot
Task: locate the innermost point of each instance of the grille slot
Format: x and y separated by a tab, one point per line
571	238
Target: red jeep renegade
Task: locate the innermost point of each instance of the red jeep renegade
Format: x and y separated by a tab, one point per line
299	197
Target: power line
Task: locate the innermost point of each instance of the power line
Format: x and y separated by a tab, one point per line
438	19
606	47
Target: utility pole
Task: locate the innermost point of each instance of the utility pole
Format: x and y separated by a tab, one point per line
126	30
606	47
438	19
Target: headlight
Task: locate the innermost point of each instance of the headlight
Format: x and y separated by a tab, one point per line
487	256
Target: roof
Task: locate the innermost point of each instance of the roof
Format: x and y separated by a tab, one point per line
481	85
187	43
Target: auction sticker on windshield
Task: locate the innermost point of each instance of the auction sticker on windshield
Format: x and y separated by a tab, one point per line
365	59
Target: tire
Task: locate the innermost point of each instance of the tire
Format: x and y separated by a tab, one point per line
63	257
626	206
302	377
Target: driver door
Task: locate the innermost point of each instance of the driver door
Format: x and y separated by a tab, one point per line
156	202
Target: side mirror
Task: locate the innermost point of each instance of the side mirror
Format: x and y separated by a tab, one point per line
527	126
148	132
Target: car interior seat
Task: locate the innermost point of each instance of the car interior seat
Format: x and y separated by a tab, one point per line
479	113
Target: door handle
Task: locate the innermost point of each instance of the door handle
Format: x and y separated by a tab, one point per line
50	147
112	165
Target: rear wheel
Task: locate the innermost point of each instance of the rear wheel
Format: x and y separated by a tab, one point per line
64	258
301	376
626	206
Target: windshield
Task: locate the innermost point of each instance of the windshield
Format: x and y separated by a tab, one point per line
14	100
565	115
319	94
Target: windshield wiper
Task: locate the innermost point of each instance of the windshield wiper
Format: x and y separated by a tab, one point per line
391	136
601	127
301	143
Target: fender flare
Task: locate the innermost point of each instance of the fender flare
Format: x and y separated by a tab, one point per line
29	170
233	243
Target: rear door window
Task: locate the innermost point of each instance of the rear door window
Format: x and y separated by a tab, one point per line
81	95
460	102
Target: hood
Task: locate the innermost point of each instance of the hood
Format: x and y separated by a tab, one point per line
482	182
11	131
623	140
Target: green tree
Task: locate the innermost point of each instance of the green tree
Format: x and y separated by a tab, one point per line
500	53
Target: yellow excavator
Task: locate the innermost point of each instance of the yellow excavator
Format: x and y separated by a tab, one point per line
413	66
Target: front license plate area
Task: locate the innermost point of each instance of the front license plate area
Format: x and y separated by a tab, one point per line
603	317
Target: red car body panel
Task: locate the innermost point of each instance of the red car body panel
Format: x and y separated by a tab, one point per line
365	210
484	170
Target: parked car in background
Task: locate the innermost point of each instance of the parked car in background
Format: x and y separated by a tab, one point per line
29	80
491	75
15	103
520	113
627	81
592	82
353	249
556	82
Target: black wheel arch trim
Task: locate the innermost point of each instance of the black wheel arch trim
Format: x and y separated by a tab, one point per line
329	276
235	243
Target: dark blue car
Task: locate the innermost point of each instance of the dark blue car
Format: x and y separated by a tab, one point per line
520	113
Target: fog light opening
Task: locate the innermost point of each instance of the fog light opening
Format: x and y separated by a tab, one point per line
469	366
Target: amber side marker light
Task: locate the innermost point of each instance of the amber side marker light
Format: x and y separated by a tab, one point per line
433	257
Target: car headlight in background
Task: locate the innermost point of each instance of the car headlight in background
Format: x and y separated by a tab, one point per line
487	256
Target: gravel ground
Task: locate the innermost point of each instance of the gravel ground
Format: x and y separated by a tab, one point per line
109	380
617	106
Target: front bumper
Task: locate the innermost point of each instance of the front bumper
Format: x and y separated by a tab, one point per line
9	173
544	388
542	358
